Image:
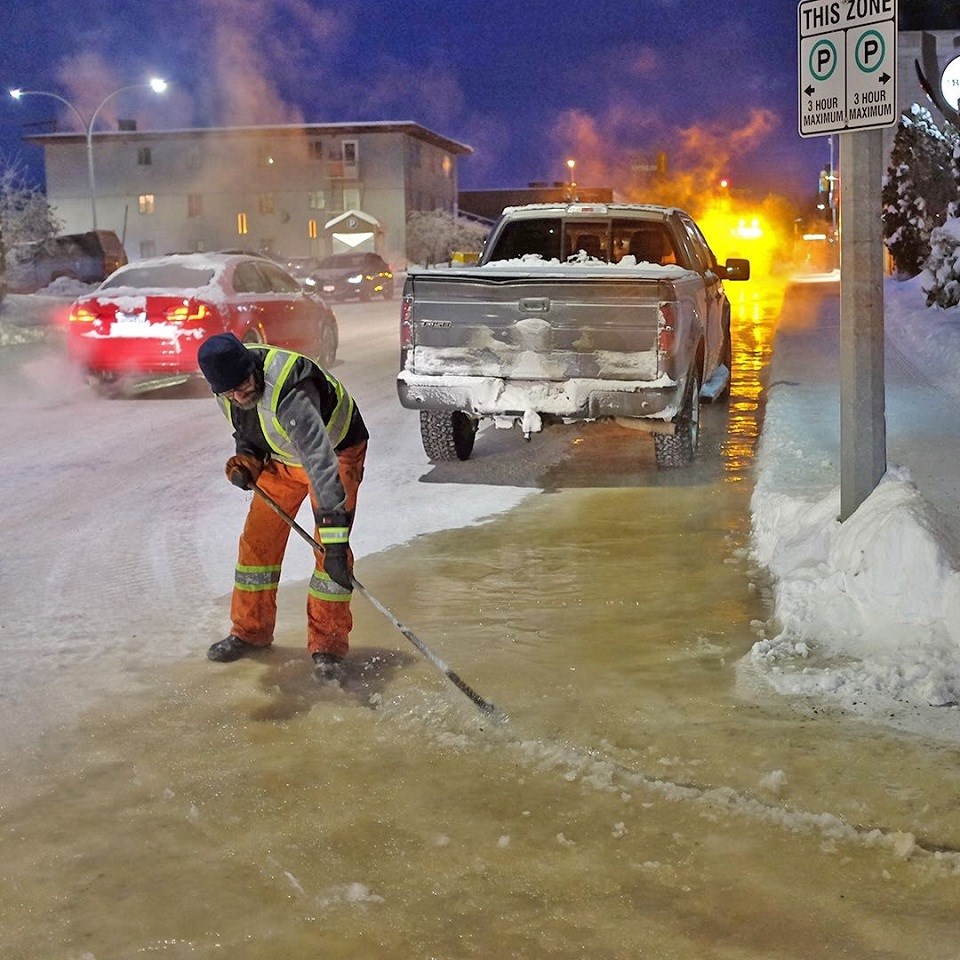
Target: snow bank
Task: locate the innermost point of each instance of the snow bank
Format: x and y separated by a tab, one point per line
868	611
867	607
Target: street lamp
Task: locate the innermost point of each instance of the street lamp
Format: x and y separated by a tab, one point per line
155	84
571	163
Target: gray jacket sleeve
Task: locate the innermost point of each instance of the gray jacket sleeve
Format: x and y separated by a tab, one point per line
301	418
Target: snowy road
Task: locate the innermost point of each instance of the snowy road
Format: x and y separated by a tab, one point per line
120	528
638	803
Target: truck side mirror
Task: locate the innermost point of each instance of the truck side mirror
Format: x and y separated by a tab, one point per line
736	269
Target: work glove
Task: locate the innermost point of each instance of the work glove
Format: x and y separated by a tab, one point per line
335	540
243	469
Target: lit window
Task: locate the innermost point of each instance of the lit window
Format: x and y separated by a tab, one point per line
266	203
312	229
146	203
194	204
318	200
144	157
241	223
351	198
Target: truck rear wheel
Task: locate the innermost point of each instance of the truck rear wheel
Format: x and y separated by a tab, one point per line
447	436
680	448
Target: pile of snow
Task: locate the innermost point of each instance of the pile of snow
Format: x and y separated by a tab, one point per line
868	611
66	287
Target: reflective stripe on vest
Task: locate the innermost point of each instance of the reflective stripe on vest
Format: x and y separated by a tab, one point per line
276	367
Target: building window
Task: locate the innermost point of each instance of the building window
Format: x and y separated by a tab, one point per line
318	200
148	248
144	157
266	203
343	160
316	149
194	204
146	203
198	246
241	224
351	198
312	229
193	159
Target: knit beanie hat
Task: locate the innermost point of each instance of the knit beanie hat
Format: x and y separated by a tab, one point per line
225	362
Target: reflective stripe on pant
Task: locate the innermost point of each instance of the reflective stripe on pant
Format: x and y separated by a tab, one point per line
262	544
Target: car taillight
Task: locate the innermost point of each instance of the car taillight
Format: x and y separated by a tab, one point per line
666	329
187	312
80	314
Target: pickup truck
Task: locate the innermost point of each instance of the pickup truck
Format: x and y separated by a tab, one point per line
573	312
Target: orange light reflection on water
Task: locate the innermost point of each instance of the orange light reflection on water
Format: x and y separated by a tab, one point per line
754	308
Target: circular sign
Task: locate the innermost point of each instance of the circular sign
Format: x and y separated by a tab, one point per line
823	59
950	82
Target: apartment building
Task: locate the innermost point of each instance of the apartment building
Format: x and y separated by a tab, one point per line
295	190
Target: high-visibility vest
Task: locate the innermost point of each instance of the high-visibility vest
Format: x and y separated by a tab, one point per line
276	368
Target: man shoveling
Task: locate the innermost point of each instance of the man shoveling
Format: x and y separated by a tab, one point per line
298	433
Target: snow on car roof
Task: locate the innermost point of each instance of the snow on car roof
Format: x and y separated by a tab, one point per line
183	275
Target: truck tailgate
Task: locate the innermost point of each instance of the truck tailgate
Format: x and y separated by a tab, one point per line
524	327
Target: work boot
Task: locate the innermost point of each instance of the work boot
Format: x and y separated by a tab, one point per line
327	666
230	648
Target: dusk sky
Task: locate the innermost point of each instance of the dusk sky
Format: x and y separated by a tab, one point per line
713	85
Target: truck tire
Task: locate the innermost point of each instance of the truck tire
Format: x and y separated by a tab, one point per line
680	448
727	358
447	436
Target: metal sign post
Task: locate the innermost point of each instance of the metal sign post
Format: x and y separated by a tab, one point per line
847	69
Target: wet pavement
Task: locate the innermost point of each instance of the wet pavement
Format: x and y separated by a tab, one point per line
639	802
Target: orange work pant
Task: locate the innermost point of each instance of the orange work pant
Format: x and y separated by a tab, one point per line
263	542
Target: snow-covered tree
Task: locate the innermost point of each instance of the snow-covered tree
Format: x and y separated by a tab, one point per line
25	213
434	235
941	277
918	188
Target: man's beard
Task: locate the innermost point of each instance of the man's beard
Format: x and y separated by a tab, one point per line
251	402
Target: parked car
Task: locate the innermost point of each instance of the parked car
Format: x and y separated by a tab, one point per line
88	257
142	326
362	275
302	267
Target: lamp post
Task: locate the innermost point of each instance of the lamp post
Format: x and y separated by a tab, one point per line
155	84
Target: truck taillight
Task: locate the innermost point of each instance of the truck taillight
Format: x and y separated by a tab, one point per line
666	329
406	322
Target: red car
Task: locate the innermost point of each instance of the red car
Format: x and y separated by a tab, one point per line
142	326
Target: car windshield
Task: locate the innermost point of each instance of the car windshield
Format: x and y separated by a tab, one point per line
165	276
342	261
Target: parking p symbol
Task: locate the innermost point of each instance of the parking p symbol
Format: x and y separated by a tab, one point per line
823	59
870	51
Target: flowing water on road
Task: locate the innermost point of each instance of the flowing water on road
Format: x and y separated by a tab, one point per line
637	802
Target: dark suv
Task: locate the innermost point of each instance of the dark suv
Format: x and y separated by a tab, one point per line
88	257
362	275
